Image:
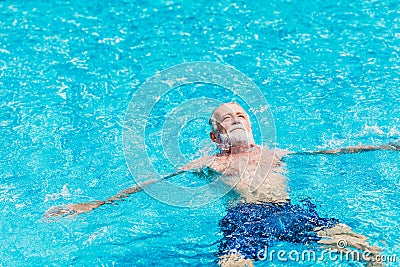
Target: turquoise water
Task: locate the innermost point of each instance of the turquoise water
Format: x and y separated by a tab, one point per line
68	70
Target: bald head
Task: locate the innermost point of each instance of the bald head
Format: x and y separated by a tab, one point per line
227	112
231	125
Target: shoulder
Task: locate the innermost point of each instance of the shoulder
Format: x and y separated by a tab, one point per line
198	164
277	153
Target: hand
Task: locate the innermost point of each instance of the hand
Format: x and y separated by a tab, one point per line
72	209
395	146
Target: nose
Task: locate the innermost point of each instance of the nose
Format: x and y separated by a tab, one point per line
235	120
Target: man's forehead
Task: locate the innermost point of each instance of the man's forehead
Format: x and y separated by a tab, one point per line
228	108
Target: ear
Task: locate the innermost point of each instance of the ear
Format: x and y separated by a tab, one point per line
213	137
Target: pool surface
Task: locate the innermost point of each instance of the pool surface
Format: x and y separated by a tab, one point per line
69	69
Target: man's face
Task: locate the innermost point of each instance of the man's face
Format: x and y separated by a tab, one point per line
233	123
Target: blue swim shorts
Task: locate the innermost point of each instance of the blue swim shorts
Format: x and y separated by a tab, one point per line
248	228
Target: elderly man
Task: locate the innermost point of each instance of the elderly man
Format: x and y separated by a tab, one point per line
264	213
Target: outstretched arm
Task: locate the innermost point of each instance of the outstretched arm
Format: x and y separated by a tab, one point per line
358	149
354	149
75	209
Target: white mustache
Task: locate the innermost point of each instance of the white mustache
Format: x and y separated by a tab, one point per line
238	127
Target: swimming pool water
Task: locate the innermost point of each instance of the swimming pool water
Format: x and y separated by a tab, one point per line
68	70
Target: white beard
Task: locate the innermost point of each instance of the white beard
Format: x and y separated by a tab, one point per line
237	137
